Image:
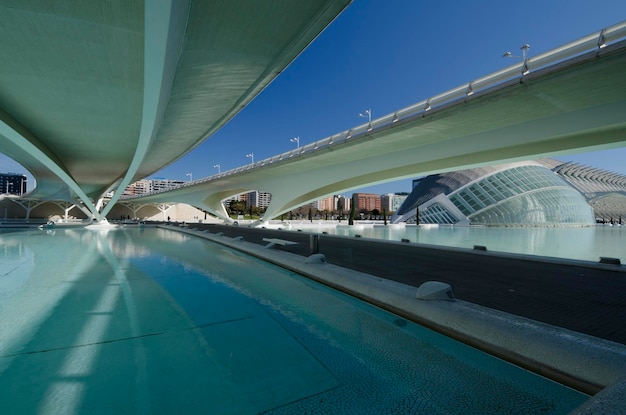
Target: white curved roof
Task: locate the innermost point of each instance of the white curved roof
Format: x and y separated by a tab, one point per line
98	94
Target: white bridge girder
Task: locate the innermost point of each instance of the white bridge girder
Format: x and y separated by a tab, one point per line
570	107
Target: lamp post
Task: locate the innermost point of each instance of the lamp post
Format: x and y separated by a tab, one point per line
525	47
295	140
190	177
367	114
218	167
251	155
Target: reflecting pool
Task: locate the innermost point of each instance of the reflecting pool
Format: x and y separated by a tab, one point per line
157	322
580	243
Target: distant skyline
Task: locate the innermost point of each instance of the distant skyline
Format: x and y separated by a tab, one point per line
385	55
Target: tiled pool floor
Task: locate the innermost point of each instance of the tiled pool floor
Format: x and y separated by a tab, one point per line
151	321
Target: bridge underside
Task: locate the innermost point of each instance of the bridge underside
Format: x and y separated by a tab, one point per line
577	107
95	95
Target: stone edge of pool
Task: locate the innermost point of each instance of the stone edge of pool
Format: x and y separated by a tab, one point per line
577	360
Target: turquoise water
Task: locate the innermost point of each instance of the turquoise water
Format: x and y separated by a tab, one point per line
580	243
151	321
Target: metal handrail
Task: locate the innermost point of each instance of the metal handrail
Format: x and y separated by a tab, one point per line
594	41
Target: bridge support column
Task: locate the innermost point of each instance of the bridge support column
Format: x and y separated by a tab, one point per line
163	208
28	205
67	206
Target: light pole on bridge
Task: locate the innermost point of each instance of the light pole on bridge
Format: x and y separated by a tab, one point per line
190	177
525	47
251	155
367	114
218	167
295	140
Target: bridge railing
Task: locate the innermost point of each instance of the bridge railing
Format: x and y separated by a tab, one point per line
594	41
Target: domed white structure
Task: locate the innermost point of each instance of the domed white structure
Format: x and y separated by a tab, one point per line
529	193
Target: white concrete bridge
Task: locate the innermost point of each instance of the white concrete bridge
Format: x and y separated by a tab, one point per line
97	94
570	99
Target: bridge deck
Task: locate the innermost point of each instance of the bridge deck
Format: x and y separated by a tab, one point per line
584	299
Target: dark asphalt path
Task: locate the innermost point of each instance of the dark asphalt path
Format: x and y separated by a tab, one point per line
589	300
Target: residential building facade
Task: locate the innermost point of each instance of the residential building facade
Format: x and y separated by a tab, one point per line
13	183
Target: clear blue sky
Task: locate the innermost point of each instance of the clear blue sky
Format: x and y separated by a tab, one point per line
389	54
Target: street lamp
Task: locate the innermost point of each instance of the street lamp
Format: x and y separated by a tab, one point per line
190	177
367	114
251	155
218	167
295	140
525	47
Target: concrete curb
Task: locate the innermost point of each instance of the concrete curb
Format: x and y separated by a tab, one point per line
609	401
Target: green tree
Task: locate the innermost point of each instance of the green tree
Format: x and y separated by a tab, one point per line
352	211
237	207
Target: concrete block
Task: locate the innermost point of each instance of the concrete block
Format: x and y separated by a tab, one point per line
609	260
316	259
435	290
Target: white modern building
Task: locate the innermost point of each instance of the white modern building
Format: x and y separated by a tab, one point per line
528	193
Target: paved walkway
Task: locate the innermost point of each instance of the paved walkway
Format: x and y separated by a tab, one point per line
590	300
